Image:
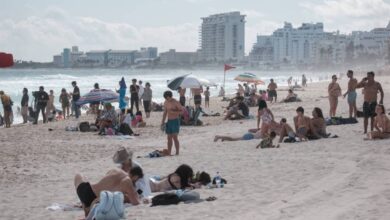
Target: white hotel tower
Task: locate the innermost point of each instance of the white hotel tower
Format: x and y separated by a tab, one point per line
222	37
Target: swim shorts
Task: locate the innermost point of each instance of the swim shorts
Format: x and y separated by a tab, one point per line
86	194
352	97
369	109
172	126
248	136
302	131
197	99
272	93
183	101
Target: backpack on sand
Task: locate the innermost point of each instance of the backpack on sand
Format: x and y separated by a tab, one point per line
165	199
110	207
84	126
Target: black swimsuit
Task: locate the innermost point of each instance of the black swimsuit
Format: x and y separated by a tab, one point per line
170	183
86	194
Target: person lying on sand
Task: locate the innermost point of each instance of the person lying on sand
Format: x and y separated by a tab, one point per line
381	124
266	142
114	180
247	136
123	157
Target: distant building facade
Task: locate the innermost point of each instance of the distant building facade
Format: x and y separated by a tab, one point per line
222	37
172	57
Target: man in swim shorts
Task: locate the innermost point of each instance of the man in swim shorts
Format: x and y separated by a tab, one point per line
351	94
197	96
172	111
272	91
371	89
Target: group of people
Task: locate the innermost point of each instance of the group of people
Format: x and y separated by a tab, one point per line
130	180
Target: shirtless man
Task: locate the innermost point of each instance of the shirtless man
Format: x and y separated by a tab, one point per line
302	124
172	110
197	92
351	92
371	89
182	93
272	90
114	180
334	91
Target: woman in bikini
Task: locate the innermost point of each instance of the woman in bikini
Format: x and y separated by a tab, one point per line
266	117
334	91
180	179
381	124
318	124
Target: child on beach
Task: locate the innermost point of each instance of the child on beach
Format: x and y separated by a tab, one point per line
302	124
267	141
207	97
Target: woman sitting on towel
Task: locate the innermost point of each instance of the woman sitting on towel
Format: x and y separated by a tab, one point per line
291	97
317	125
381	124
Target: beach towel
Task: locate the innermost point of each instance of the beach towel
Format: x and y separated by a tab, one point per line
340	121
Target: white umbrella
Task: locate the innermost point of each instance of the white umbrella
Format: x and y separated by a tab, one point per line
188	81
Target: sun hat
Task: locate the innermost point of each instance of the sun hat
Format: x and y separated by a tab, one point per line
122	155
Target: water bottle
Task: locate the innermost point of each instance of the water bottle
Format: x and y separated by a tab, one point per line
218	180
179	192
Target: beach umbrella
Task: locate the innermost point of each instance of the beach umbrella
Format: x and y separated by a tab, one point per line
249	78
98	95
188	81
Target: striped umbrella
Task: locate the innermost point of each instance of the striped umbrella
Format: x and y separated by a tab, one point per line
249	78
98	95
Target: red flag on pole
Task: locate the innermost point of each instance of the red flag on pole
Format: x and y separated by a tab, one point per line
6	60
228	67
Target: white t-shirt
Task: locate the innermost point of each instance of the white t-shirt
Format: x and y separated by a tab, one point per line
144	185
140	91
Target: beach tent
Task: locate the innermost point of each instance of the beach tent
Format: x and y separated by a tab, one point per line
98	95
6	60
188	81
249	78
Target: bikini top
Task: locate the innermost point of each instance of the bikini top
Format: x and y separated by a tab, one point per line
266	116
170	182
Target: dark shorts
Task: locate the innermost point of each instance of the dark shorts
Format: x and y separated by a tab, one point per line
183	101
172	126
248	136
272	93
197	99
147	106
86	194
7	108
95	103
369	109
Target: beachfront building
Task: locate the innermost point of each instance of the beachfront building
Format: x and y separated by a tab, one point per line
96	58
222	37
310	45
117	58
66	58
172	57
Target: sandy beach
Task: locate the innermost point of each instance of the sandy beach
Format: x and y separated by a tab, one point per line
335	178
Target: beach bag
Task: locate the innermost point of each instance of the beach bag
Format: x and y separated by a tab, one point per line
165	199
125	129
110	206
84	126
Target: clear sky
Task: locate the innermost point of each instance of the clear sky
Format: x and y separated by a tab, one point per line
37	29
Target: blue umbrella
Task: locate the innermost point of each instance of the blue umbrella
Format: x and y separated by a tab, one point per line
98	95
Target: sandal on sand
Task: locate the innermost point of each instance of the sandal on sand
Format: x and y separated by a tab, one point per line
211	198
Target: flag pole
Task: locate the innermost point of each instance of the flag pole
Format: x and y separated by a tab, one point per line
224	78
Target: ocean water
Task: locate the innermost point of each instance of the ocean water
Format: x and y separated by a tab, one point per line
12	81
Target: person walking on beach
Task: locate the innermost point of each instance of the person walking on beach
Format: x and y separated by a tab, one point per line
207	97
50	104
24	105
75	98
172	111
334	91
147	99
182	94
134	98
371	89
42	99
304	81
7	107
64	100
351	92
272	86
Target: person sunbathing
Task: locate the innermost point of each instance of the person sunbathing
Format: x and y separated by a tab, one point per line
180	179
114	180
238	111
286	131
318	124
266	118
247	136
107	119
123	157
381	124
302	124
291	97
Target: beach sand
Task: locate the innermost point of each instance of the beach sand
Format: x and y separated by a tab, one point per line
340	178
